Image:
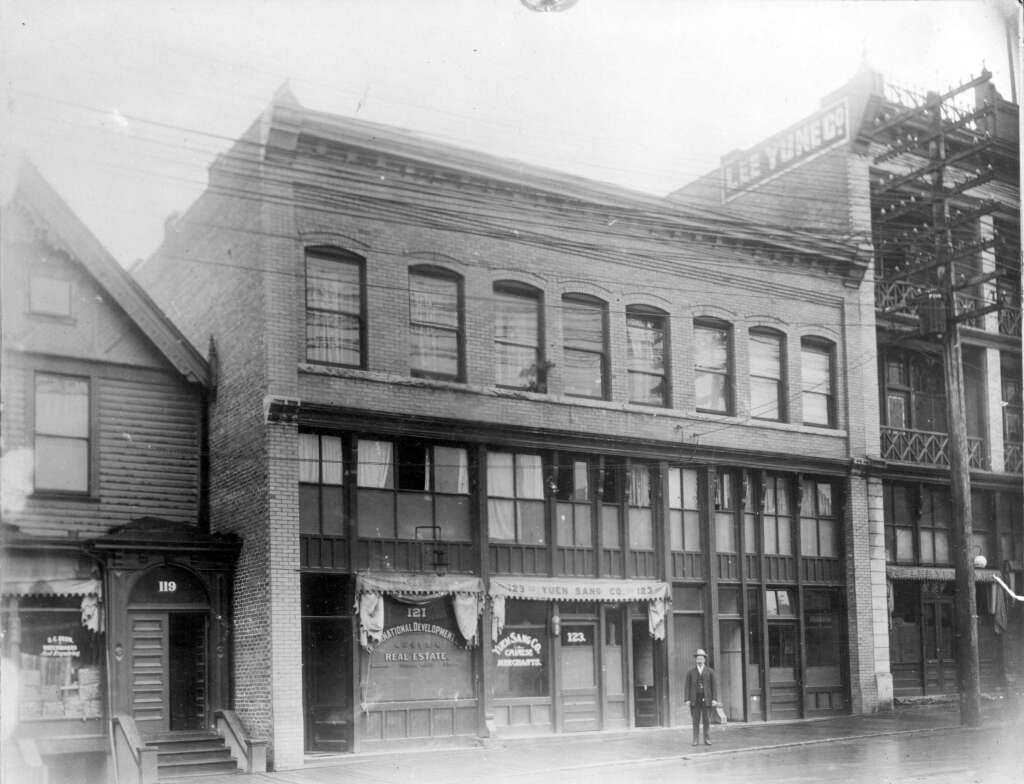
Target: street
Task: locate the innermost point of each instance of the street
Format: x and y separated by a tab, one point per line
942	757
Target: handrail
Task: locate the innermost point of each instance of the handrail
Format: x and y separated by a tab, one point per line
251	754
134	761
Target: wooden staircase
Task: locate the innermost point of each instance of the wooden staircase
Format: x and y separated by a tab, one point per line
193	753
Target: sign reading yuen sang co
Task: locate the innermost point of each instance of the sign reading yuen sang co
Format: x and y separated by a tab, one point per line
743	171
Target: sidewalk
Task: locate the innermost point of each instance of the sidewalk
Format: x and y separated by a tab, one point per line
506	759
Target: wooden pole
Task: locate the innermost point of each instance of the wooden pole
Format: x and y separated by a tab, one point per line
968	669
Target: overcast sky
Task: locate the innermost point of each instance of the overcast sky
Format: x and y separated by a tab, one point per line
122	105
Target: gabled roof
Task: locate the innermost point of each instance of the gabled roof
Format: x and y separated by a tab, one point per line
35	194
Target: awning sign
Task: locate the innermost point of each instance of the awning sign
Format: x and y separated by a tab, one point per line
582	590
743	171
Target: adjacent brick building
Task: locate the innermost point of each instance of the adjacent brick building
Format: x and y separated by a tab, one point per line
504	446
864	167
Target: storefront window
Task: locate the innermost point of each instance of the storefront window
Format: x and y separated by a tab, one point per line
421	655
56	646
521	654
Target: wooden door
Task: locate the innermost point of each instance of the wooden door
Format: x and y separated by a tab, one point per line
578	668
148	672
939	656
645	691
783	671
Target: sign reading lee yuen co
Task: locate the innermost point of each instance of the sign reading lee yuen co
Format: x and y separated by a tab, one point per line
743	171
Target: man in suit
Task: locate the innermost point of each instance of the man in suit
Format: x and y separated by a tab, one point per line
701	695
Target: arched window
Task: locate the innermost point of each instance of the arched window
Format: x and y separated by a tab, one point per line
586	346
712	365
646	341
335	302
435	323
767	387
518	360
816	363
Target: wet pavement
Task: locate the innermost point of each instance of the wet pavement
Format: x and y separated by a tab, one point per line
910	744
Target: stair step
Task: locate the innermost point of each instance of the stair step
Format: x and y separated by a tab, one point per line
206	768
183	747
176	757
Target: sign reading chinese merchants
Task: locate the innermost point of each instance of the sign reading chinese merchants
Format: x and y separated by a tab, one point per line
518	649
743	171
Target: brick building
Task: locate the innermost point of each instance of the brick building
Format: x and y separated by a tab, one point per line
113	598
863	168
504	446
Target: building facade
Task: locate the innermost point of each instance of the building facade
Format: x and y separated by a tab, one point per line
113	601
904	172
504	447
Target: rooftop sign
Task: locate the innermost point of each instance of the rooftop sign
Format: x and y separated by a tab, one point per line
744	171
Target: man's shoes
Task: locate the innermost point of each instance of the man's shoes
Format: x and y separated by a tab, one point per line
707	742
695	743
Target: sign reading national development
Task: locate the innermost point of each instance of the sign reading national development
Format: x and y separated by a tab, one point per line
742	171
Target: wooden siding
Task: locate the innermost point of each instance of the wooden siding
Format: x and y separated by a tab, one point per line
145	444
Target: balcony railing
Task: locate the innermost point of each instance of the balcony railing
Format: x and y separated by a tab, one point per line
926	448
1013	457
1009	322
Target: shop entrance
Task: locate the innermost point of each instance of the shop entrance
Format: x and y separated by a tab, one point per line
939	662
578	664
783	671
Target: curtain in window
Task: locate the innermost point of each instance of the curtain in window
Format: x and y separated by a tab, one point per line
331	460
374	466
451	470
639	486
529	476
433	301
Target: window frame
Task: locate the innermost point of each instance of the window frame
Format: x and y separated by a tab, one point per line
518	499
89	438
336	255
522	291
816	517
763	333
827	348
704	324
648	312
579	301
321	484
435	273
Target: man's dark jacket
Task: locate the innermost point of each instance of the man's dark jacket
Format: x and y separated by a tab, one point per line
710	685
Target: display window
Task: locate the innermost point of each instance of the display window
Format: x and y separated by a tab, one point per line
55	644
521	652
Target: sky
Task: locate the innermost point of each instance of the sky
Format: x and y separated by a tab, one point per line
123	105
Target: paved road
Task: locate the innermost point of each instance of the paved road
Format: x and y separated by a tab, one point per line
990	756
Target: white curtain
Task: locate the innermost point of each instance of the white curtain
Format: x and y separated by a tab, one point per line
529	476
467	615
374	464
497	616
371	619
451	468
331	460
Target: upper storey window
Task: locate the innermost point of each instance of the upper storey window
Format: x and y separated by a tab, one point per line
816	360
586	346
517	354
766	379
334	307
713	366
645	338
435	323
61	433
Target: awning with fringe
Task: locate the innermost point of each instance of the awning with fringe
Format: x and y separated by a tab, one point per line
48	574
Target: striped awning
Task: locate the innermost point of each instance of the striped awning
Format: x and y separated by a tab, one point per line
27	573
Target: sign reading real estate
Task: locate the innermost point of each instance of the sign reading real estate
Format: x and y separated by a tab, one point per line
744	171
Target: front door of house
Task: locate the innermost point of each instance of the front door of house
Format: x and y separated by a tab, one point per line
167	653
580	707
783	671
939	658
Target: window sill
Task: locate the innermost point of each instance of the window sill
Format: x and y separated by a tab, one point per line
56	495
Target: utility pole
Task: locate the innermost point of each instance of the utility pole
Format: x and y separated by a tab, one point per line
968	667
940	317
